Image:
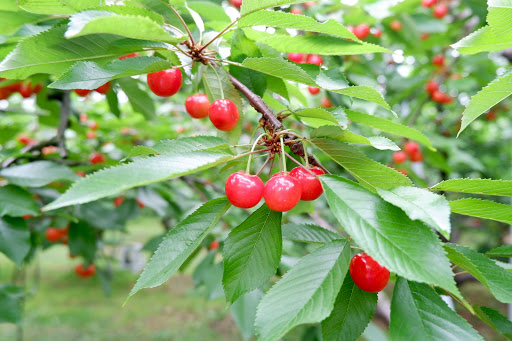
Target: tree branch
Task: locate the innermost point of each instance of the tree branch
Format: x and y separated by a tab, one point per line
28	149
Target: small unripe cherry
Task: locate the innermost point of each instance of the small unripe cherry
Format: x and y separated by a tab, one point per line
361	31
440	11
428	3
314	59
367	274
396	25
411	147
131	55
236	3
104	89
282	192
416	157
296	57
313	90
310	185
97	158
165	83
296	10
399	157
431	87
244	190
438	60
326	102
224	114
53	234
82	92
118	201
197	106
214	245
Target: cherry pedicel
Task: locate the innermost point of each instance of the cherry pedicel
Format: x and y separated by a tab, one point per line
312	90
244	190
310	185
367	274
282	192
296	57
165	83
224	114
197	106
399	157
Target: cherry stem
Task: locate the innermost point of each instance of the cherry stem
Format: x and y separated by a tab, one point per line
181	19
220	83
271	166
283	153
248	169
355	247
250	153
306	154
300	164
264	164
218	35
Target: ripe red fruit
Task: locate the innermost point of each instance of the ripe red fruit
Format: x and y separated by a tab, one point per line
85	272
361	31
399	157
224	114
314	59
197	106
377	33
26	90
424	36
214	245
296	10
83	117
438	60
396	25
416	157
80	173
90	134
296	57
37	88
104	88
308	4
131	55
27	216
411	148
140	203
326	102
490	116
367	274
53	234
441	97
82	92
440	11
118	201
25	140
97	158
312	90
49	150
236	3
428	3
93	125
165	83
244	190
431	87
311	186
282	192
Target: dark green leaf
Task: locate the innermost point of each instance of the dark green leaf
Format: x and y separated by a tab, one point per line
139	99
483	209
82	240
37	174
14	239
17	202
494	319
308	233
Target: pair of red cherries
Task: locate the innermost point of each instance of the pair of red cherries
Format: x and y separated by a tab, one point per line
282	192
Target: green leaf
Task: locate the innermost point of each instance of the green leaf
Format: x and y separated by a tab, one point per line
179	244
139	99
11	310
243	312
17	202
129	26
51	53
210	11
500	251
12	21
369	173
382	143
191	144
352	312
90	75
113	103
14	239
298	22
252	253
112	181
366	93
485	99
37	174
388	235
55	7
493	318
82	240
498	18
316	117
418	314
482	40
494	277
420	204
250	6
344	135
389	127
476	186
485	209
307	233
306	293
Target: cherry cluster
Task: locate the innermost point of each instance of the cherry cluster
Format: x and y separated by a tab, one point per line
367	274
54	235
25	89
440	9
411	151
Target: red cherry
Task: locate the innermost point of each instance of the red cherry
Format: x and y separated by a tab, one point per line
416	157
25	140
490	116
296	57
311	186
411	148
244	190
214	245
296	10
428	3
26	90
396	25
441	97
377	33
362	31
82	92
236	3
314	59
308	4
49	150
424	36
440	11
399	157
90	134
118	201
165	83
53	234
93	125
224	114
140	203
282	192
85	272
37	88
104	88
80	173
14	87
131	55
367	274
326	102
432	87
438	60
97	158
312	90
83	117
27	216
197	106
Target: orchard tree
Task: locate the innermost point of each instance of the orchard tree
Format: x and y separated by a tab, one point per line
312	145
